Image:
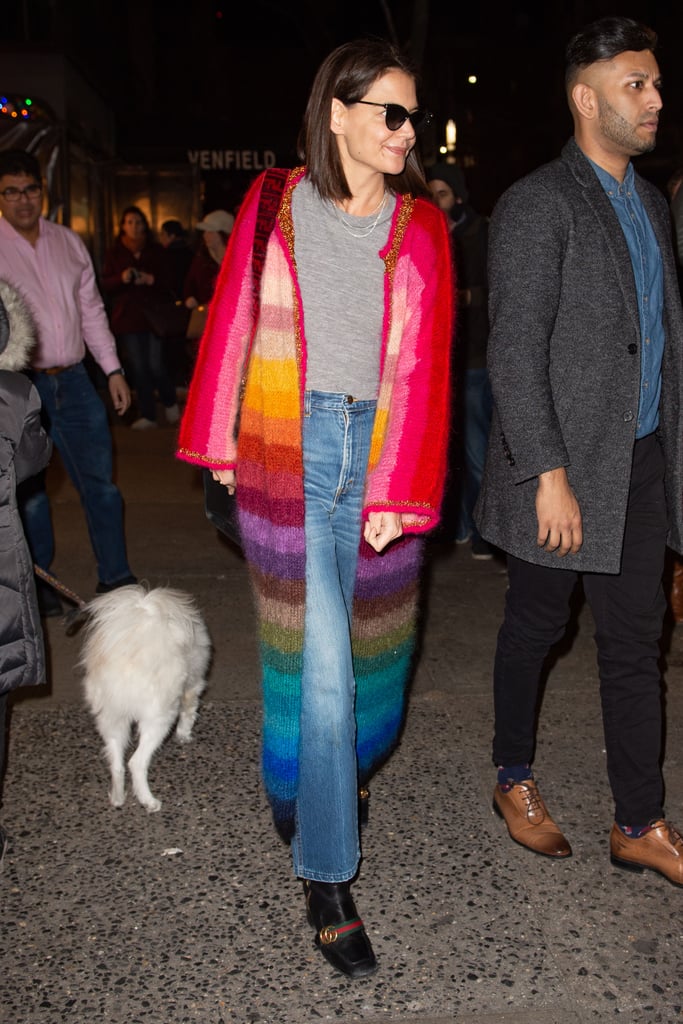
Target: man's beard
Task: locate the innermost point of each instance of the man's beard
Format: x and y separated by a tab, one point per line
617	129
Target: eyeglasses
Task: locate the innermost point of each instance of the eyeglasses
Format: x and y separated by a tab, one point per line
12	194
396	115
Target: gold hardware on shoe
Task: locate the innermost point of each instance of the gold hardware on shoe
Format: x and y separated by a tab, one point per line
363	794
328	934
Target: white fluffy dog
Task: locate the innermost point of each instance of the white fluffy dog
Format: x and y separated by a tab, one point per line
145	655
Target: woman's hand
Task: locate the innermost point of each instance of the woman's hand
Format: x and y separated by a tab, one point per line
226	477
383	527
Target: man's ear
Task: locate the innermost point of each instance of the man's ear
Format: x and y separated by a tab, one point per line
337	117
584	99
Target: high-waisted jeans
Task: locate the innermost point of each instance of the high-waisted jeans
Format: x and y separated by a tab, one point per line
336	443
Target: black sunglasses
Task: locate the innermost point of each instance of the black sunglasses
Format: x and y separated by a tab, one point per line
396	115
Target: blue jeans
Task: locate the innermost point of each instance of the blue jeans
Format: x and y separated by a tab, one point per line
476	423
76	420
336	443
147	358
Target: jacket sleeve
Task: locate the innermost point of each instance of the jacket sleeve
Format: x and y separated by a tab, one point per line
526	248
408	461
25	442
35	447
207	431
94	322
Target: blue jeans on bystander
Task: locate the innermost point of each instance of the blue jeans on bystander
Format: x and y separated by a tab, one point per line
148	363
76	420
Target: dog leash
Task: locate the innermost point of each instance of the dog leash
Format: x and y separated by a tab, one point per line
74	618
58	585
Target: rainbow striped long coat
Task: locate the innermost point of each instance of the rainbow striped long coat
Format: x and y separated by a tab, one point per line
405	474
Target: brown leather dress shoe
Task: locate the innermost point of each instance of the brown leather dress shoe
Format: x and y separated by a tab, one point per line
528	821
660	849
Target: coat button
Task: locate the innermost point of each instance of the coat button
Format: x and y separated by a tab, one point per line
628	416
633	348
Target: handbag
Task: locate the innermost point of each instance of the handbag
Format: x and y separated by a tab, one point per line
196	323
220	507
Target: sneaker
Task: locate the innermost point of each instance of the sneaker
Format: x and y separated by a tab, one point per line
172	413
105	588
481	550
144	424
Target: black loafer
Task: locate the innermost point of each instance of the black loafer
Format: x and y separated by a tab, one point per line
49	602
106	588
340	934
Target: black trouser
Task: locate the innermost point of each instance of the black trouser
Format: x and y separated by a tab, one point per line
628	609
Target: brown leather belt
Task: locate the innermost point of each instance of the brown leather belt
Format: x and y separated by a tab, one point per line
52	371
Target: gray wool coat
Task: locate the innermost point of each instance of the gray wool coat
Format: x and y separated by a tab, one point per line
24	450
564	361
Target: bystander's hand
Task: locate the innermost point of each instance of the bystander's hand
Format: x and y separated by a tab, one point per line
560	528
119	393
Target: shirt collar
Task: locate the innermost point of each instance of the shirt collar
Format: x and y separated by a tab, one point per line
610	184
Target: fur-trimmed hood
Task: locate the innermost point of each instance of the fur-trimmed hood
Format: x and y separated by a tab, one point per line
17	330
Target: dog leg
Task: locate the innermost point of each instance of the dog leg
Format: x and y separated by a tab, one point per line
152	733
115	736
188	713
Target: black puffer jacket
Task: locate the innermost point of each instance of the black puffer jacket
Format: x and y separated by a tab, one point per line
24	450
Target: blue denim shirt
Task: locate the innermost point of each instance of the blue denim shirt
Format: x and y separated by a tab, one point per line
647	270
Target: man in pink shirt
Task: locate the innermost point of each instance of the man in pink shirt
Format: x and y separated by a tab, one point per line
51	268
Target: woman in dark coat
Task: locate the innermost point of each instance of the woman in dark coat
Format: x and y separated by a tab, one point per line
24	450
137	271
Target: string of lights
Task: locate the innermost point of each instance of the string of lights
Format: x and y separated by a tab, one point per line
16	108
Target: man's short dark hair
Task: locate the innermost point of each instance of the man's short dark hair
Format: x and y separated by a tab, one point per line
18	161
605	39
173	227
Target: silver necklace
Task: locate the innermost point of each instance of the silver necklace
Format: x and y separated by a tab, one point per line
366	231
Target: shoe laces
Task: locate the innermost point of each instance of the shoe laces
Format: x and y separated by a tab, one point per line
534	800
675	837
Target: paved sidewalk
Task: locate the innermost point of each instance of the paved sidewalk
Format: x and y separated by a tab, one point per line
192	915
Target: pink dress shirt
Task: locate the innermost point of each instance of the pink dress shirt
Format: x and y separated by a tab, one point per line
57	279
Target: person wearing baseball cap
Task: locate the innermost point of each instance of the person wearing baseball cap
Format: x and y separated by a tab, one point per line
201	277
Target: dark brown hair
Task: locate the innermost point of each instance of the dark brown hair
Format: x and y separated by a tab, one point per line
138	211
605	39
347	74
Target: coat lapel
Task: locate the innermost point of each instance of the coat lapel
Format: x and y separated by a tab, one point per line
608	223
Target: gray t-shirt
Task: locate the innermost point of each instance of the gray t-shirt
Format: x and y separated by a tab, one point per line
341	278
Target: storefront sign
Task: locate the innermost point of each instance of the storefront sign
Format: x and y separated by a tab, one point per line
231	159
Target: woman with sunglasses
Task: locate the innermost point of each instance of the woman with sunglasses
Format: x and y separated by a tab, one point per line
336	444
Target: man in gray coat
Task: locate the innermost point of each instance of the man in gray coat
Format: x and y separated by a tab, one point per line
583	473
